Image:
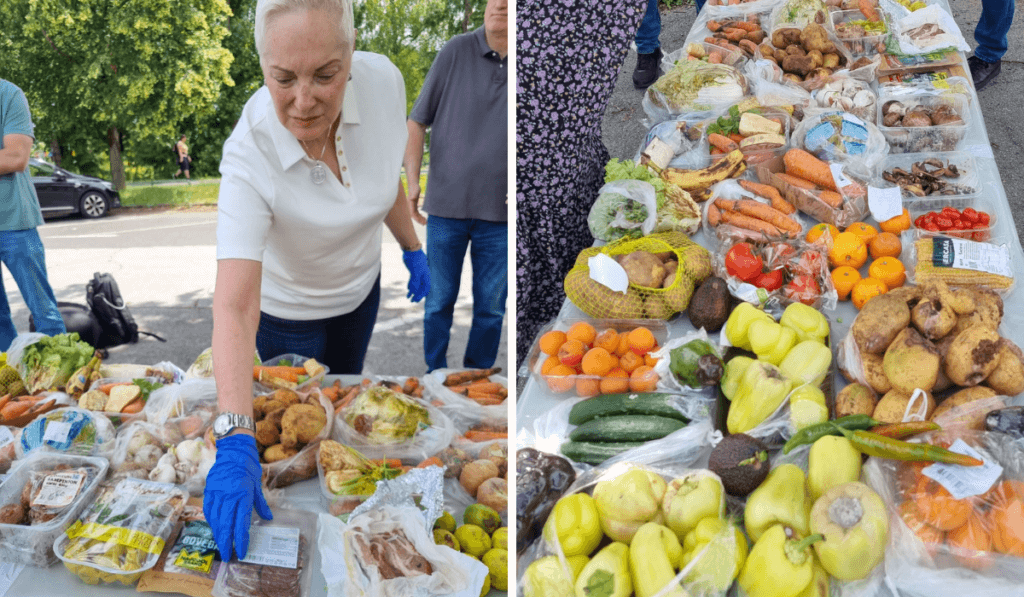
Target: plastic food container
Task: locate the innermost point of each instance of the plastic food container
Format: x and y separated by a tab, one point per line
292	360
140	513
921	206
33	544
864	45
966	184
536	358
926	139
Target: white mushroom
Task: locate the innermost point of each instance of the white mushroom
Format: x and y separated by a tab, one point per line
863	99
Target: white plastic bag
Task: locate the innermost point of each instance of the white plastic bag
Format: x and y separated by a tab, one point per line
463	411
608	218
930	15
424	444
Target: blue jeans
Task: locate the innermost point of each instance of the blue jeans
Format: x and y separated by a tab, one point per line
23	254
339	342
447	239
650	28
994	24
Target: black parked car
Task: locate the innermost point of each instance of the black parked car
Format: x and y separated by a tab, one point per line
63	193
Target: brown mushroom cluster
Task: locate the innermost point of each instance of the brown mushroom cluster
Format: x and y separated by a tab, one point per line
927	178
896	114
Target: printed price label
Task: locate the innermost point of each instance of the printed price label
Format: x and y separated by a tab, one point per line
273	546
967	254
6	437
885	204
59	489
605	270
57	432
965	481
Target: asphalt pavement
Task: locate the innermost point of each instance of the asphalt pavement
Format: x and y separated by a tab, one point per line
623	128
164	262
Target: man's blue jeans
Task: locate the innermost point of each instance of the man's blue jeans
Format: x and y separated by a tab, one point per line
650	28
447	239
23	254
994	24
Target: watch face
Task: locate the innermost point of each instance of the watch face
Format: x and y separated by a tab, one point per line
222	424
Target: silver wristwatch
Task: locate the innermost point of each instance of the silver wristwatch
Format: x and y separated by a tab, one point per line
225	423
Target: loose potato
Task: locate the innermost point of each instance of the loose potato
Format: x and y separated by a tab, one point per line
814	37
786	36
911	362
892	408
879	322
933	318
973	355
670	274
988	310
816	58
278	452
767	51
793	77
855	399
973	417
795	50
874	374
644	269
800	65
1008	376
830	60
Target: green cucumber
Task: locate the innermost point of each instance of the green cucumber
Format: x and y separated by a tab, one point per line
595	452
639	403
626	428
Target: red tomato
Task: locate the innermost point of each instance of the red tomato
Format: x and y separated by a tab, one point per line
950	212
769	280
983	217
943	223
970	215
809	264
741	262
931	227
802	288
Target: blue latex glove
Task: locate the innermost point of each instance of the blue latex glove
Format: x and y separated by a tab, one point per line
232	491
419	274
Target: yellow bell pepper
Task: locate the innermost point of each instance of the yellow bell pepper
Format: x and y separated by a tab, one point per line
737	326
777	565
724	558
575	523
808	362
770	341
806	321
780	499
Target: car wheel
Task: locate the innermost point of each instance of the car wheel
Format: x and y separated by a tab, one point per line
94	205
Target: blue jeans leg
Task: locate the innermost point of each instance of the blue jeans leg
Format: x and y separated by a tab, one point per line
447	239
993	26
23	253
700	5
488	254
650	28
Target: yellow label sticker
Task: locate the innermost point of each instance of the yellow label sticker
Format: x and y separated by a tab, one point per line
127	537
194	561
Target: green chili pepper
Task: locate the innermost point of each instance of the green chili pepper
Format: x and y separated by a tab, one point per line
904	430
812	433
873	444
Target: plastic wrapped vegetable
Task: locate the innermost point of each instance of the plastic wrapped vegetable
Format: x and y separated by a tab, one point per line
384	416
49	363
541	478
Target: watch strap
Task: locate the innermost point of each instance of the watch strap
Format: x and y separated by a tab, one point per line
235	420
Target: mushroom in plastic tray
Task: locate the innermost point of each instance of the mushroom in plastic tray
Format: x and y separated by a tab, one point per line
122	534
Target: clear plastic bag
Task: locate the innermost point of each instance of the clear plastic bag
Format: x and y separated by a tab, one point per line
834	135
851	204
728	233
609	217
958	262
8	446
844	92
317	369
301	465
425	442
955	530
686	153
668	380
280	558
191	404
464	412
138	447
70	430
798	261
730	86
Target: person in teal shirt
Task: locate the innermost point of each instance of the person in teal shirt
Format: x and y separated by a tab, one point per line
21	249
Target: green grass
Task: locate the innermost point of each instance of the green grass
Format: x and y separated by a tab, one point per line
199	193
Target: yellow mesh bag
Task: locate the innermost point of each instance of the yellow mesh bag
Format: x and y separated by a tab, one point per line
640	302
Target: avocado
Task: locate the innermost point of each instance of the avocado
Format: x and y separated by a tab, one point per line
709	306
742	463
696	364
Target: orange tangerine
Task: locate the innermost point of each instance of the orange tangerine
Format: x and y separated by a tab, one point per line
630	361
885	244
866	289
616	382
649	360
848	249
548	364
582	331
897	224
643	379
623	348
560	379
641	341
865	231
889	270
844	278
571	353
818	230
598	362
587	387
552	341
608	339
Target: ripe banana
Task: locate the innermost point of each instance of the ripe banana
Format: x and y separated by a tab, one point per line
729	166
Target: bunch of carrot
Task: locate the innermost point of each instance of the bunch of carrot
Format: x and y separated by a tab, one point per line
805	172
740	35
482	432
262	372
12	408
772	220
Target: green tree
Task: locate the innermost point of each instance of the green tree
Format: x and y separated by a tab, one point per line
95	69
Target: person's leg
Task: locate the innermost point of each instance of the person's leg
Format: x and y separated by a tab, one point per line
488	253
25	257
991	35
648	47
276	336
349	335
447	239
700	5
7	330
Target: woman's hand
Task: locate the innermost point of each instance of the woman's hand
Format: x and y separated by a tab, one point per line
419	274
233	489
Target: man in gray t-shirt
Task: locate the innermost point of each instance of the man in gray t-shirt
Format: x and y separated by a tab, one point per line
464	102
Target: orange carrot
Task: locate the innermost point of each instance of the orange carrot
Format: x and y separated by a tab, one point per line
768	192
734	33
485	436
4	400
748	46
432	461
867	8
285	373
488	400
796	181
714	57
492	387
40	405
392	462
133	407
722	142
410	386
745	25
741	221
13	410
802	164
454	379
756	209
714	216
714	26
833	198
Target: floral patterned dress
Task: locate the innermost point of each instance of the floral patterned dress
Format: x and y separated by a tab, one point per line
568	58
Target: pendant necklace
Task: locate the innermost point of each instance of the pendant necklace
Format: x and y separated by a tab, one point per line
319	172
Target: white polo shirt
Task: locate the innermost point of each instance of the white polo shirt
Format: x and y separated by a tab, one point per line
320	245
